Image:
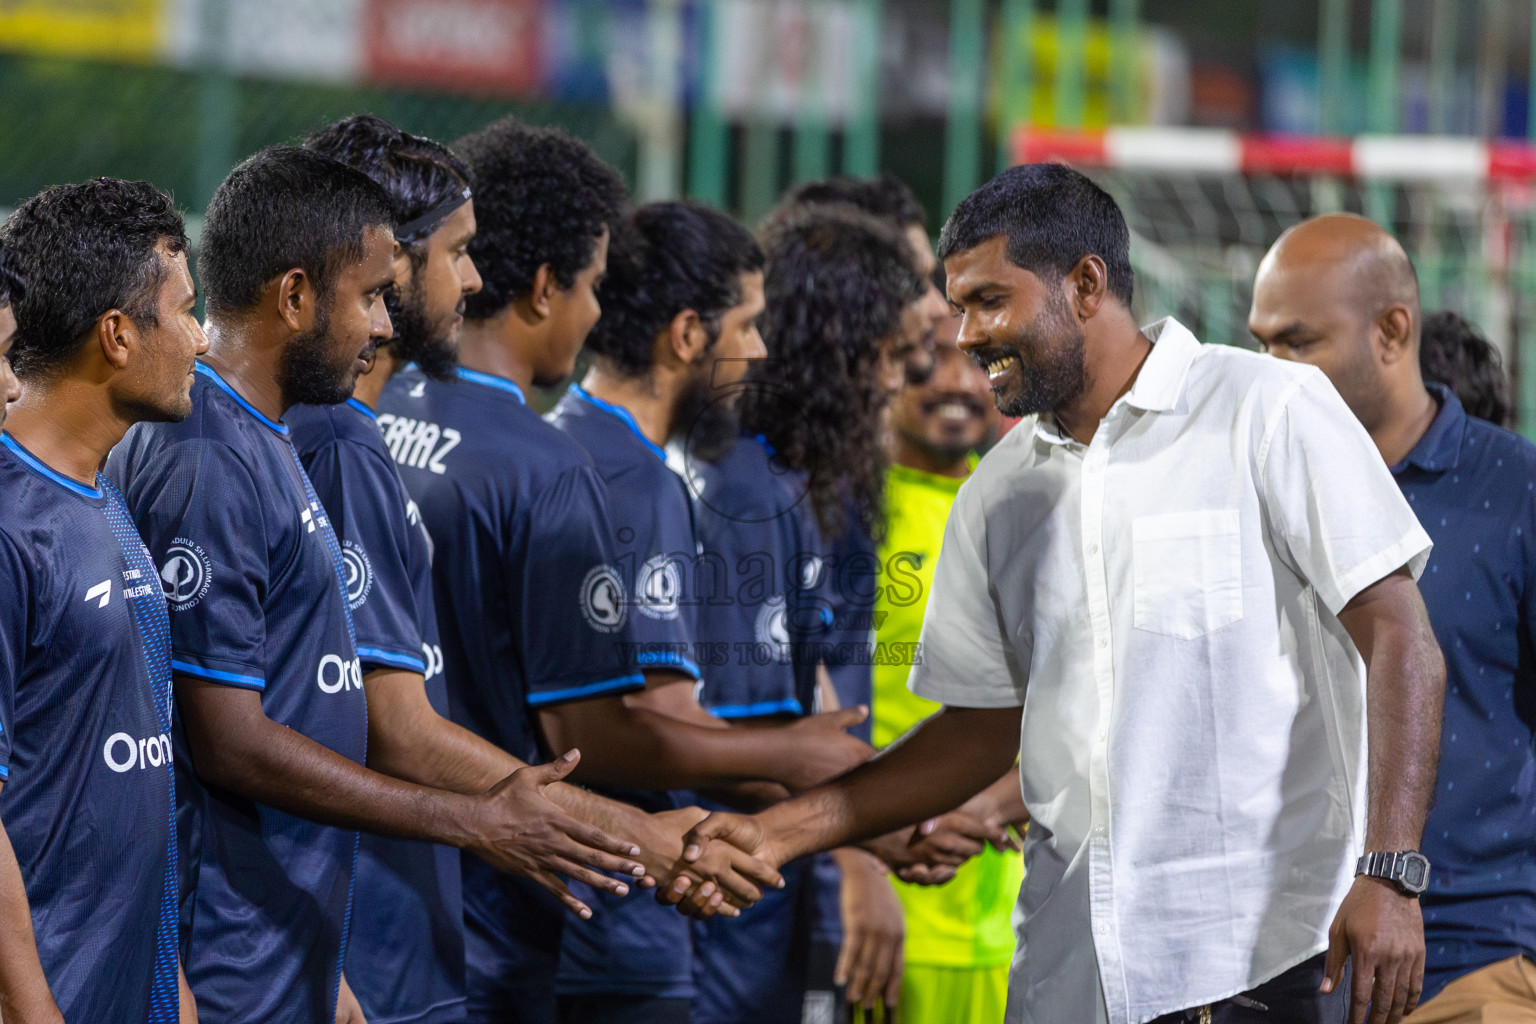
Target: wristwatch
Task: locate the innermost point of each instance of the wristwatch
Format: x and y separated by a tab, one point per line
1406	869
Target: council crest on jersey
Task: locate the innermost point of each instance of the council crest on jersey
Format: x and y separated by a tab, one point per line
602	598
658	587
772	628
185	574
359	573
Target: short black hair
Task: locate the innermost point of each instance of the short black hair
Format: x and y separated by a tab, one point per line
73	252
665	258
1453	352
420	174
885	197
540	197
836	285
1052	217
283	208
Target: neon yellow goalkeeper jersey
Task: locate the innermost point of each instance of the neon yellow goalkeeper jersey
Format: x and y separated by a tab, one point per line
966	923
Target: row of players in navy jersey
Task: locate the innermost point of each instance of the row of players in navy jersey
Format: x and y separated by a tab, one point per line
335	522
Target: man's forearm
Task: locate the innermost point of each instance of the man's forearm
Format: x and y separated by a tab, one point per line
1405	698
236	747
943	762
24	993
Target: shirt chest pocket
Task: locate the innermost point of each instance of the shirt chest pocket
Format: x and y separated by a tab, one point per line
1187	572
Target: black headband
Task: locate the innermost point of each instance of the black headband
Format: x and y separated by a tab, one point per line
430	221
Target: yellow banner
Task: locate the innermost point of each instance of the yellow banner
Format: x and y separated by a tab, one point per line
128	30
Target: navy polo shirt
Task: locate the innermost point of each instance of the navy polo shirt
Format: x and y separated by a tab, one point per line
1473	487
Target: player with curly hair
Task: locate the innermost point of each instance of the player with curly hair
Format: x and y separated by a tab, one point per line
531	613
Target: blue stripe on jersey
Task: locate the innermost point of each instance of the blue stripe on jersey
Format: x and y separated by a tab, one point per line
539	699
212	374
5	772
788	706
500	383
36	465
623	414
667	659
249	682
152	618
360	407
391	658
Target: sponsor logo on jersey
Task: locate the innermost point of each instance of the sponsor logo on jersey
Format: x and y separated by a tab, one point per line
658	586
123	753
359	573
336	674
101	593
185	574
421	444
602	598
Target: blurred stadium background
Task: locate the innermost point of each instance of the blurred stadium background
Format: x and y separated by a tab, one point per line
1216	122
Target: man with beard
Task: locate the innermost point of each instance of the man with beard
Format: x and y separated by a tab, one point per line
88	871
530	611
1339	293
295	257
959	939
1181	563
678	332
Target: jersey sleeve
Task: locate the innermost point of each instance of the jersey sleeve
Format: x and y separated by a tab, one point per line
15	612
964	657
1332	504
363	498
195	506
569	596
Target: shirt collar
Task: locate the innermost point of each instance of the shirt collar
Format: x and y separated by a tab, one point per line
623	414
492	381
363	408
212	374
1440	447
1160	384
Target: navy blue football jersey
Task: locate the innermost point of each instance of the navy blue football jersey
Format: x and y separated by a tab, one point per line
405	960
531	613
85	743
764	606
254	575
632	945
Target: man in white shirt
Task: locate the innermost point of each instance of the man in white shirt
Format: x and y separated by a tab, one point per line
1174	571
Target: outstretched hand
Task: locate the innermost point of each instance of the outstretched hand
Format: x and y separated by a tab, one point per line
825	748
1382	930
929	853
525	833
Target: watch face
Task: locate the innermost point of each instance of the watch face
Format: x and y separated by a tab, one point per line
1415	872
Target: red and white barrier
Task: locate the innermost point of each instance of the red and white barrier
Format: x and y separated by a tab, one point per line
1214	151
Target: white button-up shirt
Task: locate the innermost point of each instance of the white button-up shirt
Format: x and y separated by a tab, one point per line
1162	602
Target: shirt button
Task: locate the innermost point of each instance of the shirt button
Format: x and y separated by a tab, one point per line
1103	642
1093	549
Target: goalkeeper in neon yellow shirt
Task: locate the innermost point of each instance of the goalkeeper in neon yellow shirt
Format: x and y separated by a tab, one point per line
960	935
